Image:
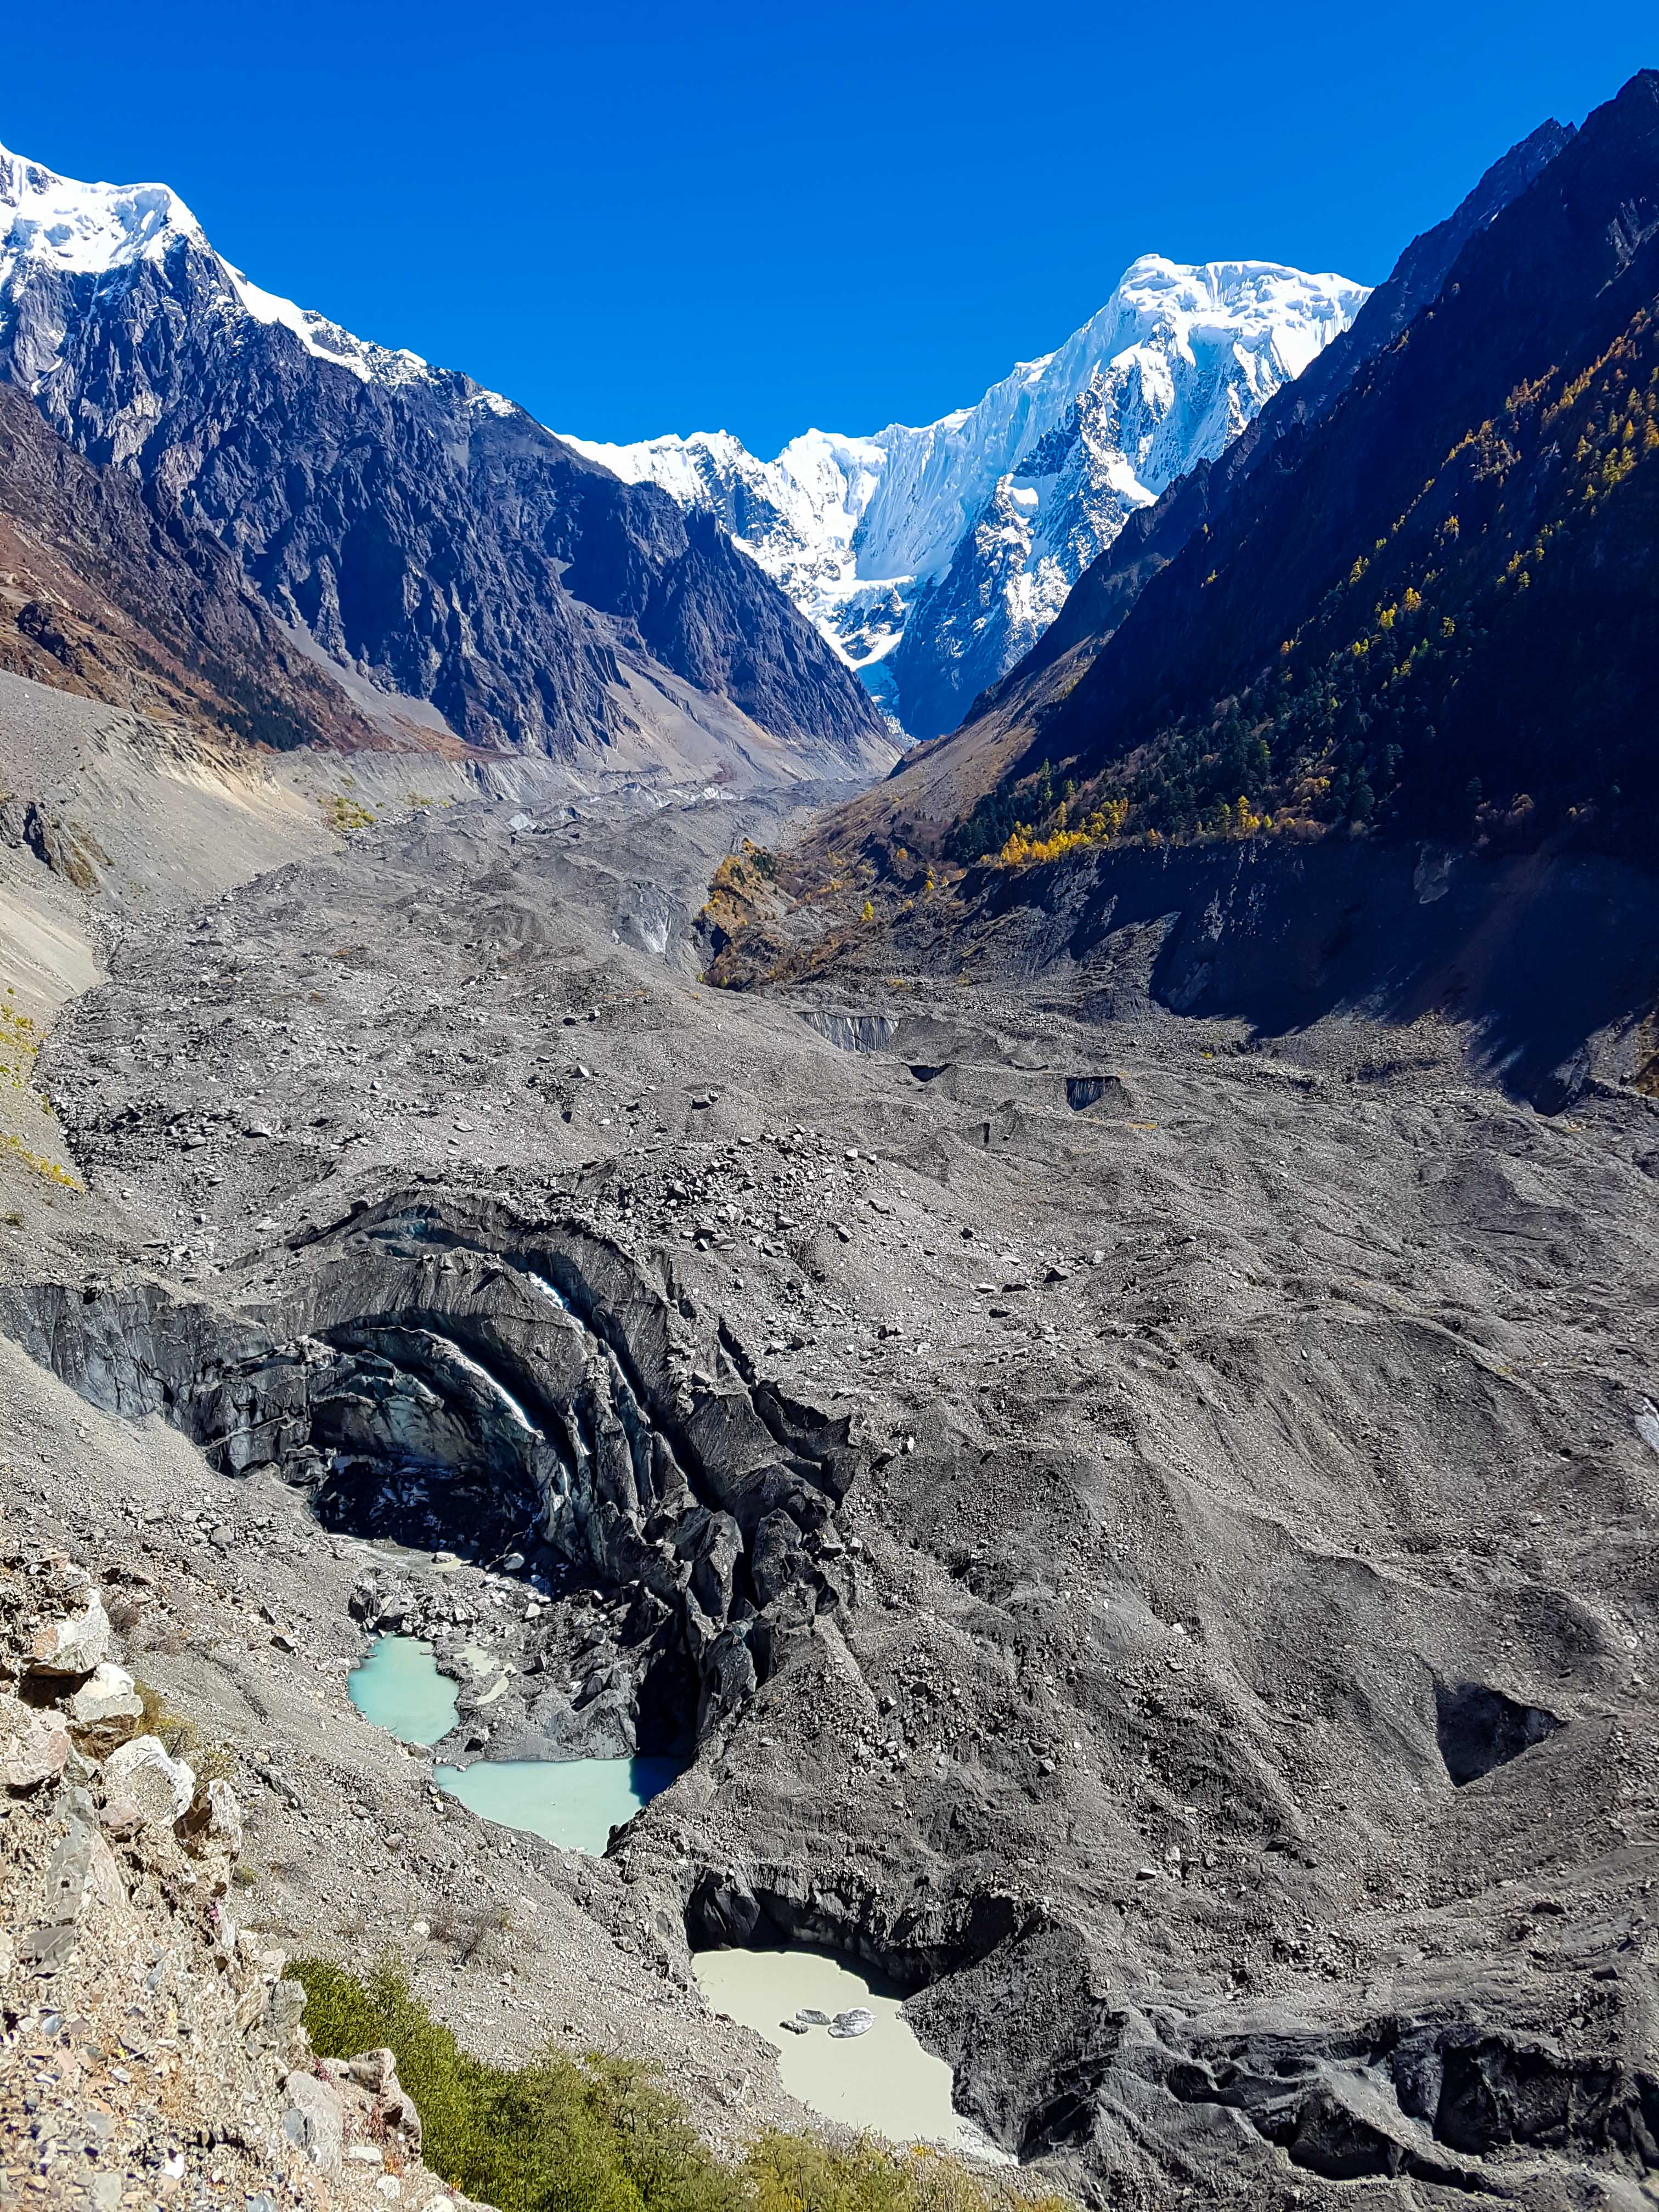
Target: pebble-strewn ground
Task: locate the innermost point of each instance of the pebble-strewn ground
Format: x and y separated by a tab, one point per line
1251	1444
150	2053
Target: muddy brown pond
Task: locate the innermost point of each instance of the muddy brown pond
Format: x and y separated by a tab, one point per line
881	2079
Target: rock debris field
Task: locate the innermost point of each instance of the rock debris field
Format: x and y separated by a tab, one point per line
1143	1532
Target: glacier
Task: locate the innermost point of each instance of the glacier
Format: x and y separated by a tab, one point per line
934	557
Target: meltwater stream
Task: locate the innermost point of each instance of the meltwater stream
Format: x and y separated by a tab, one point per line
572	1802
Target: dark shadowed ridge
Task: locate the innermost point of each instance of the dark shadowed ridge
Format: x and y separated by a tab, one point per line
110	592
1151	539
417	526
1394	488
934	784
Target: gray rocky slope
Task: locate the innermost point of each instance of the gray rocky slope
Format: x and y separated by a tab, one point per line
153	2049
421	529
1146	1524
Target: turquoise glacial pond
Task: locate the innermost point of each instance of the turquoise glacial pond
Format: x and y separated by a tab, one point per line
572	1802
399	1687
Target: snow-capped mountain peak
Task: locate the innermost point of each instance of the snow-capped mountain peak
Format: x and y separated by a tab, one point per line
934	556
424	530
84	229
931	556
80	230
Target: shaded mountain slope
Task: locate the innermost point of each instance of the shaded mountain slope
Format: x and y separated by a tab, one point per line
936	785
416	526
1445	590
107	591
1106	591
1432	613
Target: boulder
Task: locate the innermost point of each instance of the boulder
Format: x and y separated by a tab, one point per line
161	1787
104	1876
214	1821
713	1545
48	1946
33	1746
601	1728
279	2027
74	1645
314	2121
729	1677
122	1818
106	1710
392	2114
776	1559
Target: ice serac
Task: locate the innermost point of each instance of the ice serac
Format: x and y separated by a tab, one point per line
421	528
934	557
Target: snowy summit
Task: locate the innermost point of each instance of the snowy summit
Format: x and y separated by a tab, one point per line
54	225
931	558
934	556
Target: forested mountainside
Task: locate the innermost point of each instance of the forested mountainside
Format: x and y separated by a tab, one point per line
1435	610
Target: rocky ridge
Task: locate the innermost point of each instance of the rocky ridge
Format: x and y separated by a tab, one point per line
937	786
150	2049
106	591
1439	591
423	532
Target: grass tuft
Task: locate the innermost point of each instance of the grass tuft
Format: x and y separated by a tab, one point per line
180	1737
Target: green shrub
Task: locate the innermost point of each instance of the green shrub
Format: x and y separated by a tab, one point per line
602	2134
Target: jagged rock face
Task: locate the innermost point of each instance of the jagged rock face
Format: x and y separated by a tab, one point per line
512	1384
414	524
111	592
1215	2092
120	1926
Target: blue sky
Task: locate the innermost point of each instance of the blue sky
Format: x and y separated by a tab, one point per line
757	215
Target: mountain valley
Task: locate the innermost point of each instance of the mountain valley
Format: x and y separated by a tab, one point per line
1058	1319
